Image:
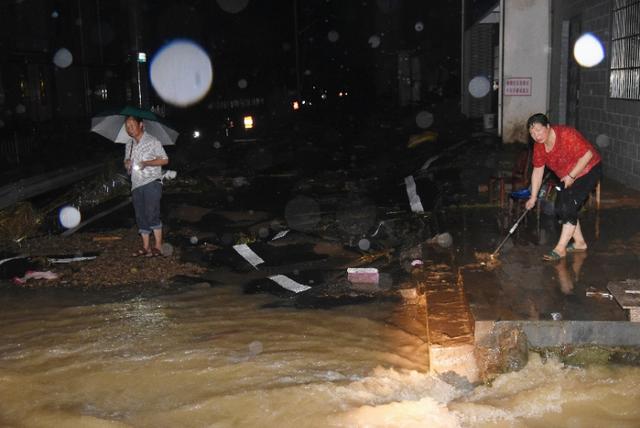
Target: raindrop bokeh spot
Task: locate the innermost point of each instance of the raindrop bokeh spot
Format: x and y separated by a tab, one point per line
181	73
364	244
69	217
63	58
233	6
263	232
419	26
424	119
479	86
242	83
603	141
374	41
588	51
333	36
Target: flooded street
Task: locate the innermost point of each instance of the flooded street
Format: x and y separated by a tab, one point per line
211	356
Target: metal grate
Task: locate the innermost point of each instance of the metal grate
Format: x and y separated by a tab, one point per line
624	77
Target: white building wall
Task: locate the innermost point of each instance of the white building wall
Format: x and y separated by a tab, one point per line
527	54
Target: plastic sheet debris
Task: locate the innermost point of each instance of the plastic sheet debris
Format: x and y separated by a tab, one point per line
363	275
70	259
288	283
593	292
414	199
280	234
48	275
248	254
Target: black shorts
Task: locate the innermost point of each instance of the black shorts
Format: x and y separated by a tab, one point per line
569	201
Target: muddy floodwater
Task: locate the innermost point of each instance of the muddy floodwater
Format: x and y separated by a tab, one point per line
212	356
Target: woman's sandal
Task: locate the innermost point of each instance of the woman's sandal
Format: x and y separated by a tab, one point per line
552	256
571	248
141	253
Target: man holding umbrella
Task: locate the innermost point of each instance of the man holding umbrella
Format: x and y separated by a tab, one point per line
143	159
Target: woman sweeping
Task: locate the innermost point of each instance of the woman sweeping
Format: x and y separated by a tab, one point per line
577	163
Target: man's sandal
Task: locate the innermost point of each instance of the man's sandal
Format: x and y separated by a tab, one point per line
552	256
154	252
141	253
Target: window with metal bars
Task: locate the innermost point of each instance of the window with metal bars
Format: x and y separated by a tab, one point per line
624	77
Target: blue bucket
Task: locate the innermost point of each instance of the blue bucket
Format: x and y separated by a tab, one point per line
521	194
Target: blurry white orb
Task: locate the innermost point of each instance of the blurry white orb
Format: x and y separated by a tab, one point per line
79	22
263	232
333	36
588	50
240	181
166	249
193	240
286	46
364	244
388	6
232	6
479	86
419	26
603	141
242	83
21	109
255	347
54	14
181	73
424	119
374	41
445	240
216	144
307	72
69	217
63	58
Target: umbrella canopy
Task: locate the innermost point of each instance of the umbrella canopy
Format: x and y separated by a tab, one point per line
111	125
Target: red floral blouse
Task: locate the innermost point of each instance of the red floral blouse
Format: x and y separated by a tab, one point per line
570	146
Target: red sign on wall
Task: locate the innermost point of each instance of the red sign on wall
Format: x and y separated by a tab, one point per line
518	86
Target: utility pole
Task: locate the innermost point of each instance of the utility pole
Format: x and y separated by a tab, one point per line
297	49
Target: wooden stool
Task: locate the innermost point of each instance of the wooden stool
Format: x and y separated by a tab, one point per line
595	197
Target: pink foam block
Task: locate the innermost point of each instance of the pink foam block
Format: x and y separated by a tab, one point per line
363	275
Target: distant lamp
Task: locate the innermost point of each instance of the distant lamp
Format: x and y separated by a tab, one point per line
248	122
296	105
142	57
196	134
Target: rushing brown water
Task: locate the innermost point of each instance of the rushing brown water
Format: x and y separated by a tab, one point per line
215	357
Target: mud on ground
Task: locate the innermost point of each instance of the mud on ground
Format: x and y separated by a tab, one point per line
113	266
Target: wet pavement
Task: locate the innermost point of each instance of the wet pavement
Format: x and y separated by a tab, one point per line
524	287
